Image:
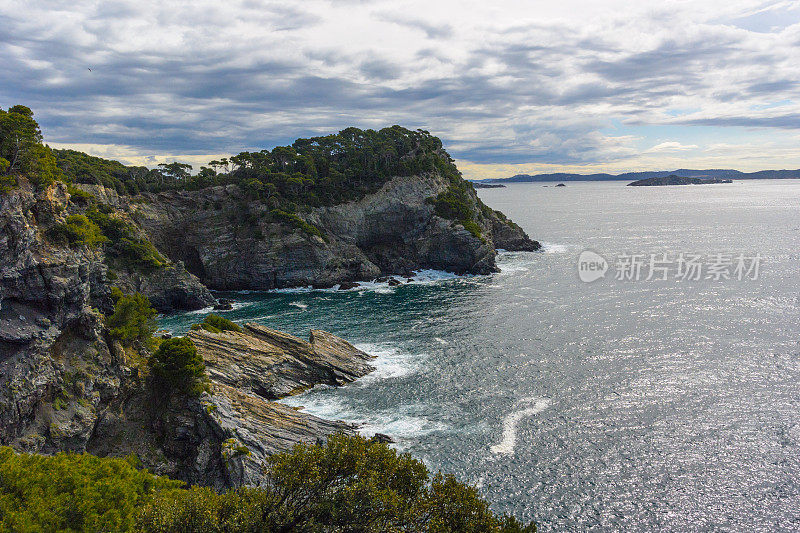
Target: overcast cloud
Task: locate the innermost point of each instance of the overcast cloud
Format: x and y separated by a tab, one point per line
509	86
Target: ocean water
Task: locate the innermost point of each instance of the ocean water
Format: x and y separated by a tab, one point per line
631	405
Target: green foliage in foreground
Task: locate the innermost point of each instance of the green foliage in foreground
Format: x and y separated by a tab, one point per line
70	492
177	367
133	319
217	324
347	484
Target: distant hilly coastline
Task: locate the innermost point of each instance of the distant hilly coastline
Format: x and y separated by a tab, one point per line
673	179
632	176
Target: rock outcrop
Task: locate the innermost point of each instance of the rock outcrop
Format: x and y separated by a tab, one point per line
223	438
273	364
221	238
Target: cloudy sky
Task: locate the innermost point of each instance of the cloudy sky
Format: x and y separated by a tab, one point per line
509	86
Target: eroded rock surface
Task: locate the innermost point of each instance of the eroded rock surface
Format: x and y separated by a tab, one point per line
222	238
273	364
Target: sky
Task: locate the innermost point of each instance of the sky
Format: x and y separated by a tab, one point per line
509	86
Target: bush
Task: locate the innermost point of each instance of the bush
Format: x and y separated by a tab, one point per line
79	195
453	203
296	221
68	492
217	324
126	247
139	254
7	183
473	228
177	367
133	318
347	484
77	230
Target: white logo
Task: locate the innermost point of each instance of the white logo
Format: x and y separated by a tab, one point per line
591	266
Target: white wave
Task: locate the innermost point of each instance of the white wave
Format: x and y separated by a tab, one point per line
508	443
299	305
420	277
391	362
202	311
552	248
401	422
400	426
511	262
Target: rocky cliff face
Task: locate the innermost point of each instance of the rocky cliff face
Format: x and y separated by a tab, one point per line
65	384
220	236
223	438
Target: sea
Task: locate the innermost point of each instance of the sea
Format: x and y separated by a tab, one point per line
640	373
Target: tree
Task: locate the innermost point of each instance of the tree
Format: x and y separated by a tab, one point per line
133	319
177	367
177	171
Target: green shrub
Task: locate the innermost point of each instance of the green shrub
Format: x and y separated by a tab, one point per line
177	367
7	183
139	254
296	221
473	228
453	203
347	484
78	230
79	195
133	318
217	324
126	247
68	492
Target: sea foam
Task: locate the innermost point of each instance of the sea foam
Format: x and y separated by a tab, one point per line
529	407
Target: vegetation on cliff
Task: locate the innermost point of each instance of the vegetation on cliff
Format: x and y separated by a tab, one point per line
347	484
133	320
22	151
176	367
287	180
216	324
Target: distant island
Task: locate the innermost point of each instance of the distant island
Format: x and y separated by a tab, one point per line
630	176
674	179
479	185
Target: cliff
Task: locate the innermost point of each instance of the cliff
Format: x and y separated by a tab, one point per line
229	242
66	384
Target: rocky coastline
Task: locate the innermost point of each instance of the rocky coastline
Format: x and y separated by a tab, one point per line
68	385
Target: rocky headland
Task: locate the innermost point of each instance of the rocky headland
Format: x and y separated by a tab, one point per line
75	237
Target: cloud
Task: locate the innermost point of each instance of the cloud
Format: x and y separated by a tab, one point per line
575	84
671	146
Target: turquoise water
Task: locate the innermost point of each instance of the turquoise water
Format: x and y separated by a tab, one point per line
613	405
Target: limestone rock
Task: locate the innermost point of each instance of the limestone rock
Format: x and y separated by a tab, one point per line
273	364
